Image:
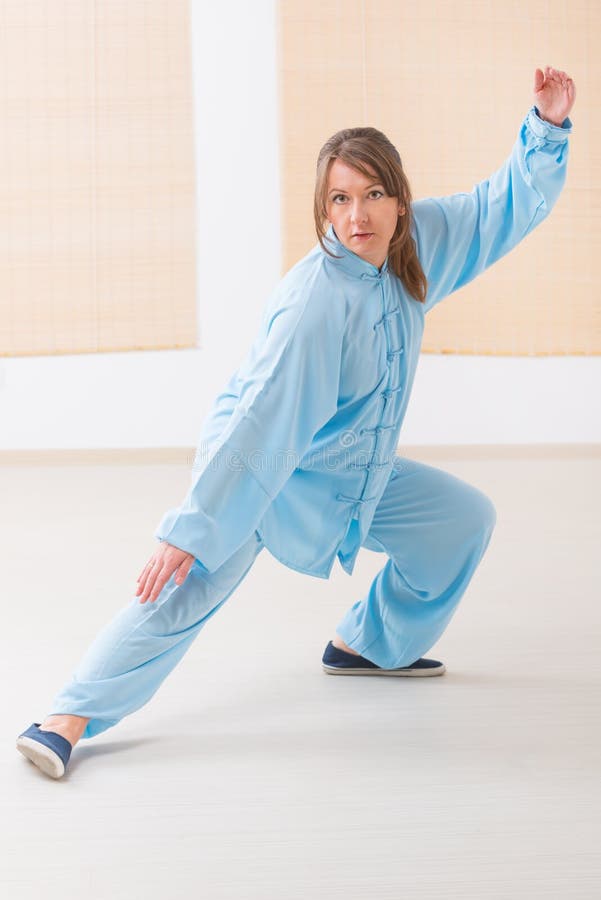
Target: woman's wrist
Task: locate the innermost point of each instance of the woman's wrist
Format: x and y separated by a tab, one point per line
550	121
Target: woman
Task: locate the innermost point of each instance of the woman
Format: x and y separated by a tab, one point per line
298	452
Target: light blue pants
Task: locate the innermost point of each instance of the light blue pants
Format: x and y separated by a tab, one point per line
434	528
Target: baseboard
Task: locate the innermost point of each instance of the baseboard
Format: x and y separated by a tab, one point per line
136	456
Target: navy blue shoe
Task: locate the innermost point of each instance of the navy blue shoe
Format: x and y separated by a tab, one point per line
47	750
339	662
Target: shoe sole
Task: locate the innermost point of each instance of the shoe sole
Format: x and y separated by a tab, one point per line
405	673
41	756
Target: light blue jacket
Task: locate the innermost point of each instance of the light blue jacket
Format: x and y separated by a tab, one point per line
299	445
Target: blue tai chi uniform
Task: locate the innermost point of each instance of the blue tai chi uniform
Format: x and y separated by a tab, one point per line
298	451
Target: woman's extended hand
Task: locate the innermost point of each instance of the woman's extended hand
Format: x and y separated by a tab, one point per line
165	560
554	94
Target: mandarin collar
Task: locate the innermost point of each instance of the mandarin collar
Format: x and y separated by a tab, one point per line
349	261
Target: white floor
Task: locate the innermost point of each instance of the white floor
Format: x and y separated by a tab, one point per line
252	773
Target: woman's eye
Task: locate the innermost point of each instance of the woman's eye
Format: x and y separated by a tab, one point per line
342	197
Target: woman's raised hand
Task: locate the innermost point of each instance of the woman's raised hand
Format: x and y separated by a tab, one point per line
165	560
554	94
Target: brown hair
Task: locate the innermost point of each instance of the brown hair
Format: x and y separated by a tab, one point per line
360	148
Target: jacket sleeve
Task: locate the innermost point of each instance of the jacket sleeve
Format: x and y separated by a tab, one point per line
288	389
459	236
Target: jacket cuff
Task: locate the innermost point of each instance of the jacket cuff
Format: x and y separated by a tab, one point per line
547	130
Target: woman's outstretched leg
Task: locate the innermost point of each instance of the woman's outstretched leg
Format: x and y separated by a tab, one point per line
134	653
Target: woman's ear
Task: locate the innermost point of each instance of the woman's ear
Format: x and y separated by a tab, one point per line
401	210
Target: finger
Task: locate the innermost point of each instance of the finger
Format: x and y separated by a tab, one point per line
144	577
141	584
140	588
161	578
144	572
150	584
159	584
149	565
164	576
183	571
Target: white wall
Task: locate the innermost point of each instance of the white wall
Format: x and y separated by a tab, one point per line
158	398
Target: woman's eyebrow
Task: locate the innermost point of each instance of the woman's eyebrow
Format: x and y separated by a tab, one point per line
341	191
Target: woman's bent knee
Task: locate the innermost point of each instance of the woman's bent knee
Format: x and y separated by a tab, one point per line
487	514
477	512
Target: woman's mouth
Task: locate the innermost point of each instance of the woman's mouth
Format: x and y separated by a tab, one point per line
363	236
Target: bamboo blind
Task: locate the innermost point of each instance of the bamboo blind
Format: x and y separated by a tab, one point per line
97	218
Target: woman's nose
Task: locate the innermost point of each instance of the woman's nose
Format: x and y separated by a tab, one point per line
358	212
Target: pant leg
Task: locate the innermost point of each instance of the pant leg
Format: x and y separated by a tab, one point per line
133	654
435	529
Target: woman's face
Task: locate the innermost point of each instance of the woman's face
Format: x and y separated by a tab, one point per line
363	215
